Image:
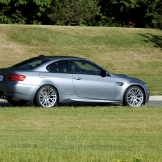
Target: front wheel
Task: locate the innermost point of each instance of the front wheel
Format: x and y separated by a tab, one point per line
47	96
15	102
134	96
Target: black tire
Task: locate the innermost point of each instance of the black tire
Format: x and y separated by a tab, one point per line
134	96
16	102
35	102
47	96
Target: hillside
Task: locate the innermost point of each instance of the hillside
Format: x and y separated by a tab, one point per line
132	51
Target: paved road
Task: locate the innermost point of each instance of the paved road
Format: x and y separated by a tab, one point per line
154	103
151	103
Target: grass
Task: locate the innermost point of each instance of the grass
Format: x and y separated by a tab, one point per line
72	134
136	52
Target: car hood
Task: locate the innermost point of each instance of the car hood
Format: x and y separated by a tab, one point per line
120	75
126	77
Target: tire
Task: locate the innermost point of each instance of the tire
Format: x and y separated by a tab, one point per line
134	96
16	102
47	96
35	102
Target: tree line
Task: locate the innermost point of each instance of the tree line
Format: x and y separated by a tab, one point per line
127	13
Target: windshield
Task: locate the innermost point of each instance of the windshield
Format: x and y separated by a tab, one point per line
30	64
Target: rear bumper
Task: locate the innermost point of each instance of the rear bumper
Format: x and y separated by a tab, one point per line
18	91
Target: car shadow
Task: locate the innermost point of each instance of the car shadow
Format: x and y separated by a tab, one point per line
4	103
79	104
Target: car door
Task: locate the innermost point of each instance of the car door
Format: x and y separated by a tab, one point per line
61	77
89	83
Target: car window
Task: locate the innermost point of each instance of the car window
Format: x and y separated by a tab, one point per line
30	64
84	67
59	67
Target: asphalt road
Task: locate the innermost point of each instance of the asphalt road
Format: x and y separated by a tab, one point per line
154	103
151	103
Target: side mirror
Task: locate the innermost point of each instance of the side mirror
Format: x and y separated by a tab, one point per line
103	73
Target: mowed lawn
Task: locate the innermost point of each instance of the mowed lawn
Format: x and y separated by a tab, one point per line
81	134
132	51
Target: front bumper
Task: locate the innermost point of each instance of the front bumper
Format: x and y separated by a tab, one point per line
147	95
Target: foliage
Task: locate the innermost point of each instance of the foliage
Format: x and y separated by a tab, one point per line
117	12
129	13
23	11
73	12
141	13
152	13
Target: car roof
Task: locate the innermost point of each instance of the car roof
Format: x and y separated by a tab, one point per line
53	57
58	57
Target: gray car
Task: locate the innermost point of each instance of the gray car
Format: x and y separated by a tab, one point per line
50	80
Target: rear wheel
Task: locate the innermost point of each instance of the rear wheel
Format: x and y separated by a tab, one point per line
134	96
47	96
35	102
16	102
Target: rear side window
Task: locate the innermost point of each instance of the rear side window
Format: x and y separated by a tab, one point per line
30	64
59	67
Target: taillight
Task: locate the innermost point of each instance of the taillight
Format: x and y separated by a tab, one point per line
16	77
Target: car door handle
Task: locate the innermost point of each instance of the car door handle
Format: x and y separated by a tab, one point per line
77	78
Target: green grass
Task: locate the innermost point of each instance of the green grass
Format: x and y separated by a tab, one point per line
136	52
67	134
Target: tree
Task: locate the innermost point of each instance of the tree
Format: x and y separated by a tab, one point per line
73	12
159	25
153	16
141	13
117	12
23	11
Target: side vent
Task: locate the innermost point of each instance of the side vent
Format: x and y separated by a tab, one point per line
119	83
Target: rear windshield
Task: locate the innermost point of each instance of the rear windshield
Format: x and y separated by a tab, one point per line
30	64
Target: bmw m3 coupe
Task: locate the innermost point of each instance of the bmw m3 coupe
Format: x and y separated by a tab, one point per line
50	80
